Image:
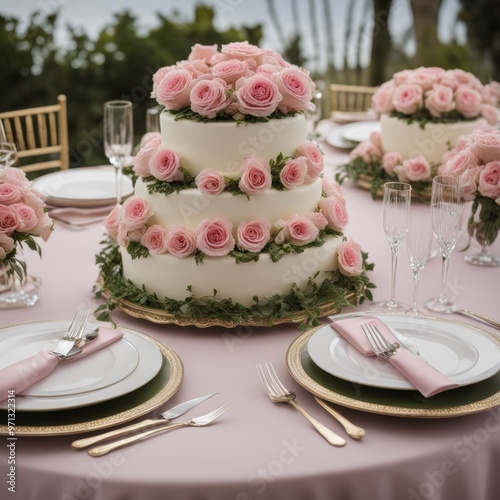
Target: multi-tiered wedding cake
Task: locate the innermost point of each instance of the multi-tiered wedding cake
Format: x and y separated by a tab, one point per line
230	203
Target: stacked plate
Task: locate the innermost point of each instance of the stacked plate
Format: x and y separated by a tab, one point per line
125	380
327	365
349	136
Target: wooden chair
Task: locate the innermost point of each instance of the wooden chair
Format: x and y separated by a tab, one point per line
40	135
350	97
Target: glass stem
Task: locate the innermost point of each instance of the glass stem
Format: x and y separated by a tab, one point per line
118	177
444	275
416	276
394	263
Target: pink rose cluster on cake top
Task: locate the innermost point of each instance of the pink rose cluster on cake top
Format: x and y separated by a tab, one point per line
423	114
230	196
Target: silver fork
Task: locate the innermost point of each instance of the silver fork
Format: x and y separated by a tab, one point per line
200	421
378	343
279	394
73	334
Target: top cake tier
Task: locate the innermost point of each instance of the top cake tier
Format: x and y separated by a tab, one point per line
222	145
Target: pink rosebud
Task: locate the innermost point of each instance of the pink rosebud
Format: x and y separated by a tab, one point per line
210	181
208	97
350	258
230	70
181	241
390	161
197	69
9	193
154	239
164	165
301	230
9	219
468	101
296	88
268	69
486	146
44	226
253	236
141	160
408	98
137	234
294	172
318	219
417	169
204	52
149	136
376	139
489	180
6	245
214	237
174	89
439	100
135	212
335	213
367	151
490	113
112	221
332	188
255	176
257	96
315	161
27	219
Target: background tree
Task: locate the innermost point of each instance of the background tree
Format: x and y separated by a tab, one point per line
425	22
381	42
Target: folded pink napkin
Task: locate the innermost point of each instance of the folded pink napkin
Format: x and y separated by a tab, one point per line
26	372
80	216
423	376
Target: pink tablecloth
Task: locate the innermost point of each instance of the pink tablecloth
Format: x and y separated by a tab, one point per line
260	450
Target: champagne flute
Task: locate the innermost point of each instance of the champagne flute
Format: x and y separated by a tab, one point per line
314	115
118	137
447	208
418	245
153	119
397	200
8	154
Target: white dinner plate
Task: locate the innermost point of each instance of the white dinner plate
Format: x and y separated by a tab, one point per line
461	352
82	187
361	131
121	367
336	139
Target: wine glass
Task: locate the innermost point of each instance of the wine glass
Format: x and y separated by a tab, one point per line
118	137
397	200
418	245
447	208
314	115
153	119
8	154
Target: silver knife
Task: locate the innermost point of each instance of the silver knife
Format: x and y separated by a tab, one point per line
170	414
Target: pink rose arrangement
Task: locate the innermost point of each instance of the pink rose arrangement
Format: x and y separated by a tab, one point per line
239	80
23	216
476	160
432	94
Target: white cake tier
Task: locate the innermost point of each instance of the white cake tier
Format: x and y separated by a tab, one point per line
169	276
190	207
222	145
432	142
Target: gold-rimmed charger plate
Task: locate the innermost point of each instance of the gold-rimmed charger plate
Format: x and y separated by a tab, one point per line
103	415
461	401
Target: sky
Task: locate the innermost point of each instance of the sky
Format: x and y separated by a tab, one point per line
91	15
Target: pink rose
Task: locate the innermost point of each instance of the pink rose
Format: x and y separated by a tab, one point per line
112	221
408	98
14	176
382	98
158	77
301	230
135	212
460	162
335	213
490	113
318	219
149	136
315	161
493	90
486	146
417	169
137	234
243	51
154	239
400	172
296	88
366	150
214	237
253	236
164	164
489	180
230	70
204	52
210	181
439	100
257	96
294	172
9	193
44	226
466	79
6	245
208	97
255	176
121	236
448	80
274	58
376	139
197	68
390	161
463	142
9	219
27	219
181	241
268	69
174	89
424	77
141	160
332	188
350	258
468	184
468	101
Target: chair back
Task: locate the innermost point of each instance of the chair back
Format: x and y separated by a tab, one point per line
40	135
350	97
